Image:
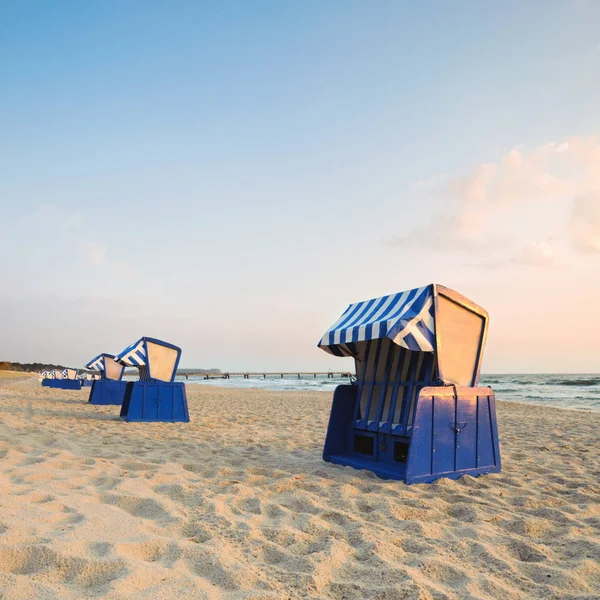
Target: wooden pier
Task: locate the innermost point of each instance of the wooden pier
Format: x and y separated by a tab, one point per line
281	375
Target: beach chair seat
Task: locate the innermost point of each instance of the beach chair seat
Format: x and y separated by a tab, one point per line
415	412
156	396
107	385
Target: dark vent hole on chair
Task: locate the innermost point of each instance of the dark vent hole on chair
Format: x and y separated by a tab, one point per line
400	451
363	444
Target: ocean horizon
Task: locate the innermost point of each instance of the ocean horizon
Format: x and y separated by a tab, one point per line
579	391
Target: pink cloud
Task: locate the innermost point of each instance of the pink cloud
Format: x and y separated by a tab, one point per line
538	254
539	185
584	223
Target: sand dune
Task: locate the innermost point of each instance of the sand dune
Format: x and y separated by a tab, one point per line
239	504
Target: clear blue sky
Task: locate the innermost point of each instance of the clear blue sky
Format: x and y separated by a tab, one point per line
230	175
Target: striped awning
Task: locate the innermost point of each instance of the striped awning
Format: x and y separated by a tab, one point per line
68	373
98	364
134	355
155	359
407	318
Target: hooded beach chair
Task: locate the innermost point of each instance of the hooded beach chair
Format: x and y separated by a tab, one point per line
89	378
109	387
66	380
156	396
415	412
46	377
86	379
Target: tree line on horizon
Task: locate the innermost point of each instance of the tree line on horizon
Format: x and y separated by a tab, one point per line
28	367
6	365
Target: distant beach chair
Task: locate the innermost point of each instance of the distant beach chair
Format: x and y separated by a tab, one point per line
86	379
107	386
415	412
46	376
156	396
66	380
89	378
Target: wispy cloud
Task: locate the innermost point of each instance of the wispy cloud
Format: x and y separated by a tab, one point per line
429	184
537	254
95	255
56	216
584	222
486	204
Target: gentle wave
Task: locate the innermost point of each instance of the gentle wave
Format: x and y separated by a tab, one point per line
576	382
485	381
580	392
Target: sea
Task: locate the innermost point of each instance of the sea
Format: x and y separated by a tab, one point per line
580	392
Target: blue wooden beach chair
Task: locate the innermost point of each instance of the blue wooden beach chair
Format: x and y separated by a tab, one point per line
109	387
46	376
86	379
65	380
415	412
156	396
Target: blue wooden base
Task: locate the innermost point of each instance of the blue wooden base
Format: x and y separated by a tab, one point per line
63	384
87	382
451	435
107	391
155	401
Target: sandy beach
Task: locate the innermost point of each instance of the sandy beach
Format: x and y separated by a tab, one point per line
239	504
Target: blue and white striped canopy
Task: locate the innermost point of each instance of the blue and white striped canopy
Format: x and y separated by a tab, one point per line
98	364
155	359
407	318
66	373
134	355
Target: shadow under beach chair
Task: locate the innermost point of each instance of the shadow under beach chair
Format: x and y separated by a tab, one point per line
109	388
156	396
415	412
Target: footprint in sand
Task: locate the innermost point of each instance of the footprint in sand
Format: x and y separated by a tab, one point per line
32	461
196	532
151	551
41	561
249	505
146	508
99	549
524	552
274	511
210	567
